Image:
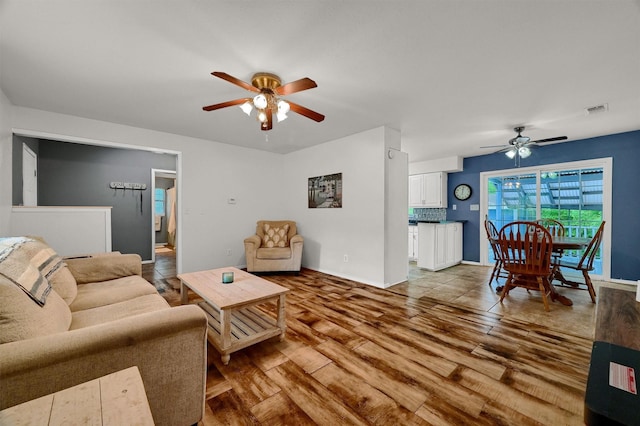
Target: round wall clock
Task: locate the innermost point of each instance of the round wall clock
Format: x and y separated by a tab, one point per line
462	192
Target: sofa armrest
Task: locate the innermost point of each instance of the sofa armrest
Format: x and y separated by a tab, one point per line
104	268
168	346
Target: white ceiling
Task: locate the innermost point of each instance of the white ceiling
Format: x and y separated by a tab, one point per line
450	75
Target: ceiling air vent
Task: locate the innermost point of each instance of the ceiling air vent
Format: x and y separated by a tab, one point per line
596	109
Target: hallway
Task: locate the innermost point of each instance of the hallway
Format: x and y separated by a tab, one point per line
162	274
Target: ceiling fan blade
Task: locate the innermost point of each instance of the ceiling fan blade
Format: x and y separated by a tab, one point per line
306	112
296	86
267	125
225	104
497	146
237	82
559	138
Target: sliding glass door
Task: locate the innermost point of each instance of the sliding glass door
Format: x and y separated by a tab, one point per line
576	194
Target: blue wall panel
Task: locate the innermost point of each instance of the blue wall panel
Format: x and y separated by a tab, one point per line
624	148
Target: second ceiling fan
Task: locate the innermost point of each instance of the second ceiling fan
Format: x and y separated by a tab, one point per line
519	147
267	101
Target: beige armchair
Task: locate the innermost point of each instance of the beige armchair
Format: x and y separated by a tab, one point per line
276	246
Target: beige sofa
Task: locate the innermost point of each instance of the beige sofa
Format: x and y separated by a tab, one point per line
100	316
276	246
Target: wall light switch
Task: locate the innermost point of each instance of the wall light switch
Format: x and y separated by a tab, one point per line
474	207
454	207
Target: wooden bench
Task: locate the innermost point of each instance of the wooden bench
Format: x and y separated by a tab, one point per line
612	396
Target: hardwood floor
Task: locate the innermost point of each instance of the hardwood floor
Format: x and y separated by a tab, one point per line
438	349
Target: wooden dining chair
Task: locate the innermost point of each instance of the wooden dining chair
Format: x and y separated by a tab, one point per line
556	229
526	255
585	264
492	236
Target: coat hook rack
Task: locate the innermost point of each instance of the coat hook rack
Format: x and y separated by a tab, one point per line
128	185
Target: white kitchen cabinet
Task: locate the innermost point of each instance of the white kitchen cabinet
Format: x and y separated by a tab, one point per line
413	242
440	245
428	190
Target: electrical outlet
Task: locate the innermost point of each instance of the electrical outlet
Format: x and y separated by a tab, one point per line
346	257
228	252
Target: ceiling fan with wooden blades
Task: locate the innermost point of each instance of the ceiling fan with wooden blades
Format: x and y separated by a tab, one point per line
267	101
519	147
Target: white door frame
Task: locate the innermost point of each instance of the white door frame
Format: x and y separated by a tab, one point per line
33	173
158	173
607	179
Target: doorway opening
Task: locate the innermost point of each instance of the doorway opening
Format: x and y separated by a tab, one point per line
164	205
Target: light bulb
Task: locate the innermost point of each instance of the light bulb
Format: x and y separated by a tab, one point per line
262	116
246	107
283	107
281	116
260	101
511	153
524	152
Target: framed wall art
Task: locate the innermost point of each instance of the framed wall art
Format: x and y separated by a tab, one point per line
325	191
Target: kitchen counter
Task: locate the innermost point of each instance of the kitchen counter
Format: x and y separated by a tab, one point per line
414	222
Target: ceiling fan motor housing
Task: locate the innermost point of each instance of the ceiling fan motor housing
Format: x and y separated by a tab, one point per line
265	80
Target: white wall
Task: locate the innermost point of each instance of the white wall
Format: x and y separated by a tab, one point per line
211	172
447	164
396	211
265	186
5	163
358	228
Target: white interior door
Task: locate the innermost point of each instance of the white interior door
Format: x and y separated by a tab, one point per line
29	177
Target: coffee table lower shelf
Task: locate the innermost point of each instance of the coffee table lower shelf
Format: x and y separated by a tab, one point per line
248	326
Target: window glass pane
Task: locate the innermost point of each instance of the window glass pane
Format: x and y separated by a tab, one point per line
159	201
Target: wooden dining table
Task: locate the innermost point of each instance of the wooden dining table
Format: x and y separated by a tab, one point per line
560	243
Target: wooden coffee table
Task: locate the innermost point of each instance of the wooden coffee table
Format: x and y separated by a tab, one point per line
234	320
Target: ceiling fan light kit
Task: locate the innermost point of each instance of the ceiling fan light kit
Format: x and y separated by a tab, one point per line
269	87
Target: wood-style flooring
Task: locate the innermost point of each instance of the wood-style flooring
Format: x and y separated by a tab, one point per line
438	349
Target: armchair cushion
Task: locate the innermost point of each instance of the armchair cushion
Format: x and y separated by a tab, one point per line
275	236
273	253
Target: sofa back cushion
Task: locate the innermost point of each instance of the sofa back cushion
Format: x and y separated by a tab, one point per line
63	282
21	318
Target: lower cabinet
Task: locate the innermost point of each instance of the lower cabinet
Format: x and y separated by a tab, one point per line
440	245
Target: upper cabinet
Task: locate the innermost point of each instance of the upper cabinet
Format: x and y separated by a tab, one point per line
428	190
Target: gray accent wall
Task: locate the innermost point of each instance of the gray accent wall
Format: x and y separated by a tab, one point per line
72	174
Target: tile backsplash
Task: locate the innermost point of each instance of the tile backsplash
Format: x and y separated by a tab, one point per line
429	214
